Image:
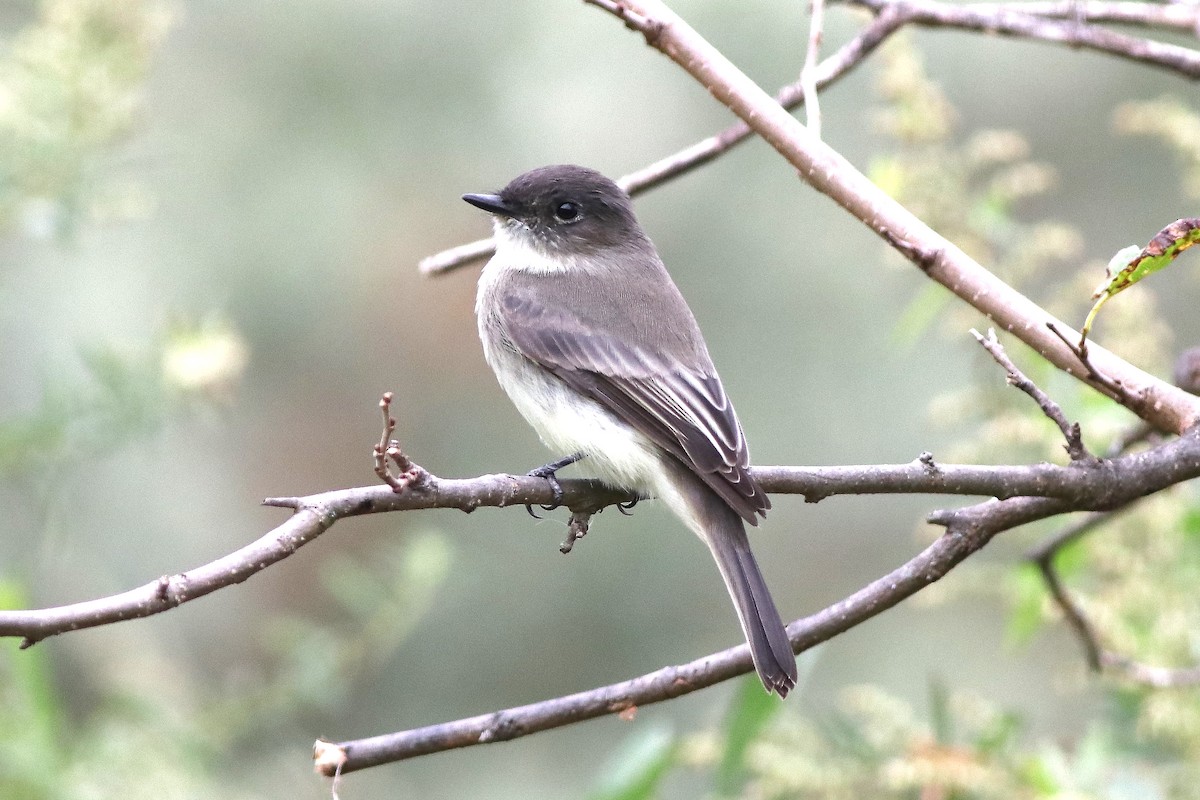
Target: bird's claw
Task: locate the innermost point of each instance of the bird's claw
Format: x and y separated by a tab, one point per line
626	507
556	493
548	471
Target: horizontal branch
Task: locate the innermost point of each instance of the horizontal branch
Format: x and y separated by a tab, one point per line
1084	488
967	530
1179	16
1012	20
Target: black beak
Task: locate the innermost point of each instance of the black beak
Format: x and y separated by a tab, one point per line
492	203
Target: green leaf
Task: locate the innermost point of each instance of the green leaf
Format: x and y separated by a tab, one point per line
1130	265
636	769
752	709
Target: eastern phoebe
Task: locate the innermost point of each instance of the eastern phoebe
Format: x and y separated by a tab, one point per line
598	350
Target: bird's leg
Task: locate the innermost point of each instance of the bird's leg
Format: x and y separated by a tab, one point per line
547	471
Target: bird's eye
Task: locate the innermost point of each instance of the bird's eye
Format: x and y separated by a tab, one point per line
566	212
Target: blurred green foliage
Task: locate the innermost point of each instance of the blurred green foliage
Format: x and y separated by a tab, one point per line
1175	123
159	733
69	90
70	85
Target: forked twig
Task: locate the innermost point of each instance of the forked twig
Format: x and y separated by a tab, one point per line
1018	379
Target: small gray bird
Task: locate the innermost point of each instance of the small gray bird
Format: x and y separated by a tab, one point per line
598	350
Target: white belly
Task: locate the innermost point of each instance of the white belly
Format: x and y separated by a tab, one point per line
569	423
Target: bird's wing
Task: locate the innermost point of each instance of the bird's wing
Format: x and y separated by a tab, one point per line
683	410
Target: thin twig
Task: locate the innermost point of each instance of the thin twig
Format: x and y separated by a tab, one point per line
1008	20
1079	349
388	449
808	76
1018	379
1099	658
1043	557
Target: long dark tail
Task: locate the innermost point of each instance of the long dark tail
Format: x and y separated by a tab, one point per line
725	534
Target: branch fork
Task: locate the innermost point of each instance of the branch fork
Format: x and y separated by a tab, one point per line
388	450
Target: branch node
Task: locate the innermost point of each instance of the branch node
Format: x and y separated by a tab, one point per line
328	759
388	449
294	503
925	259
926	461
1079	350
577	528
651	29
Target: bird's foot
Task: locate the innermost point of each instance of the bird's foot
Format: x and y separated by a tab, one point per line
548	471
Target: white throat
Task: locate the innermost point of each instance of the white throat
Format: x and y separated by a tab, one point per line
518	249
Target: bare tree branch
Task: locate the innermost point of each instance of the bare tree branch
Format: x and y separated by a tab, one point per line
1073	614
1158	402
975	526
1006	20
1070	431
1180	16
967	530
1099	658
1082	489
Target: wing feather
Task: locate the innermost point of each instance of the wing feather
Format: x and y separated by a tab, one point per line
685	411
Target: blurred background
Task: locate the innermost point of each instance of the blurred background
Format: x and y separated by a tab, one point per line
210	219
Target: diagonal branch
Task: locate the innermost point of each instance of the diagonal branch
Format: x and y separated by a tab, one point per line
1158	402
669	682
